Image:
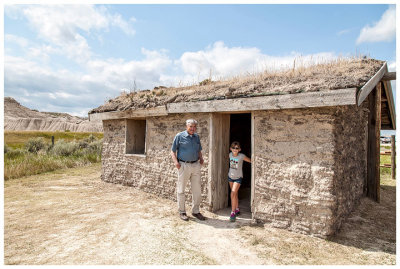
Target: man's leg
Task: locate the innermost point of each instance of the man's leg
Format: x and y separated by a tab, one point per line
196	187
183	174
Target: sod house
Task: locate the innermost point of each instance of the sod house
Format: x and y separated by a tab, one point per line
312	133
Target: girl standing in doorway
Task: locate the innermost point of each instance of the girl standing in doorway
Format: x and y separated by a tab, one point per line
235	176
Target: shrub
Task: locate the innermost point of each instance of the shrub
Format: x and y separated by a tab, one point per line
94	148
62	148
35	144
91	138
15	153
6	148
83	144
205	82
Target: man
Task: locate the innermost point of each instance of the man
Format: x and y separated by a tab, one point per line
187	157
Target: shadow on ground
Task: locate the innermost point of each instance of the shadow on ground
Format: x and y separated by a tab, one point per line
372	226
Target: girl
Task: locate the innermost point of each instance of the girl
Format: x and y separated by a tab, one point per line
235	176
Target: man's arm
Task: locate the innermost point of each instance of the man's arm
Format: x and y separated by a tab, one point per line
201	157
175	159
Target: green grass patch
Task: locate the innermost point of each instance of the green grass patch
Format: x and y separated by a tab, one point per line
17	139
385	159
31	153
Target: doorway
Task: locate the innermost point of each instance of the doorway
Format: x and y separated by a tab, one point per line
240	130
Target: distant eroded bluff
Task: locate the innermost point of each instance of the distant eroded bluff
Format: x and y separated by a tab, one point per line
20	118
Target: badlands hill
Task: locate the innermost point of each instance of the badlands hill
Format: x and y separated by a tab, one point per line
20	118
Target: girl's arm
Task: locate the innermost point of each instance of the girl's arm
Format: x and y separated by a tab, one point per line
247	159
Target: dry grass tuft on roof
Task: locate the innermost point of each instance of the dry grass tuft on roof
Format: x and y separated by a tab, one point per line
341	73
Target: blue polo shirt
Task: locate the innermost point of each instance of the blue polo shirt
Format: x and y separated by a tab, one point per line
188	146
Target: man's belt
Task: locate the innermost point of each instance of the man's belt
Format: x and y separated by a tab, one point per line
187	161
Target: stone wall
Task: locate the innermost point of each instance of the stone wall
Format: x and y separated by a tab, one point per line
153	172
310	166
294	158
351	142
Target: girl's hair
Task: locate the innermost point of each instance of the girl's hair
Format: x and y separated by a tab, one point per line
235	143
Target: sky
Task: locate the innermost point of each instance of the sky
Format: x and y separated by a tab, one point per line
73	58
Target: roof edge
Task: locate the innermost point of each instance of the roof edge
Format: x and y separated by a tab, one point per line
273	102
370	85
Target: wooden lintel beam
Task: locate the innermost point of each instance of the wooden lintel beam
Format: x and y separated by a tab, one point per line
286	101
140	113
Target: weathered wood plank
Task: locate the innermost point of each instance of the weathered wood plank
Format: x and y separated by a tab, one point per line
393	156
370	85
218	161
378	112
389	76
150	112
287	101
373	154
253	175
390	102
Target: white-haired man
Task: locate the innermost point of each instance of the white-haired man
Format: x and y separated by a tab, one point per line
186	154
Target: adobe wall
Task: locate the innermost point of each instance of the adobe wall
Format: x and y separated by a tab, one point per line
351	145
303	181
154	172
309	164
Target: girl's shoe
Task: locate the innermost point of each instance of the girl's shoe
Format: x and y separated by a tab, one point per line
237	212
232	218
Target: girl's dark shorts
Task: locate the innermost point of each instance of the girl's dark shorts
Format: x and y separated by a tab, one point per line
239	180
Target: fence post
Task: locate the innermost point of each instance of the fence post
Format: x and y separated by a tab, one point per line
393	155
52	140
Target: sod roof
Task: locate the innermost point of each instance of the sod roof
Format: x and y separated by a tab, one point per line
338	74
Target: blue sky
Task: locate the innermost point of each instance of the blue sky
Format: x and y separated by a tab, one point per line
74	58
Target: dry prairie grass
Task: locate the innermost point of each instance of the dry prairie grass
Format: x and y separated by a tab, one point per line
72	217
340	73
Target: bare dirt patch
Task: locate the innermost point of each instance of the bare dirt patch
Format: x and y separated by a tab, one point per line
72	217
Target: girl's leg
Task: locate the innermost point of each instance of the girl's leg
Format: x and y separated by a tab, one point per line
234	195
231	186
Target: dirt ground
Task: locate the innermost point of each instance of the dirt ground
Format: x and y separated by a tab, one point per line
72	217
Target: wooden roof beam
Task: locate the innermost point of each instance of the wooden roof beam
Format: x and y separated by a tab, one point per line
387	86
389	76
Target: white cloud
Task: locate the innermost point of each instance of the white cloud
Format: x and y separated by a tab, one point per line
345	31
20	41
35	81
117	20
221	61
60	23
64	25
73	92
392	66
382	31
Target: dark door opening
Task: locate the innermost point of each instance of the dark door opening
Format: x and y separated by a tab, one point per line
240	130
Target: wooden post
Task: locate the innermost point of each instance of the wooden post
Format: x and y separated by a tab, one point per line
253	175
218	161
378	140
374	123
393	155
52	140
